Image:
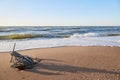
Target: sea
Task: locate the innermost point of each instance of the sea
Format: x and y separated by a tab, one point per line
30	37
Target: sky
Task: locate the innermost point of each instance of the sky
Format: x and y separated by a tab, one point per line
59	12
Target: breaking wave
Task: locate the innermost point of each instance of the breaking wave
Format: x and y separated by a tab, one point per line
17	36
76	35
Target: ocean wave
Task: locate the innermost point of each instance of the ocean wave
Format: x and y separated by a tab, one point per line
11	33
18	36
30	36
114	34
76	35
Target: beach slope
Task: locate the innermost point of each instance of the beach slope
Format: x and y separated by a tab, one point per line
66	63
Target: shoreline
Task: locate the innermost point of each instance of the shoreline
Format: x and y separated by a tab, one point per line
59	47
66	63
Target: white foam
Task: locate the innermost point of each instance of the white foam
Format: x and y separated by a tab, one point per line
83	35
46	43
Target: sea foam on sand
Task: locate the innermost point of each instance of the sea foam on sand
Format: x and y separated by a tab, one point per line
74	40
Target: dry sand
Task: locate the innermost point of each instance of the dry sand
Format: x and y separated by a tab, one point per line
66	63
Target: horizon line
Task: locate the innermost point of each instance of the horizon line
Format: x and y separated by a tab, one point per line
56	25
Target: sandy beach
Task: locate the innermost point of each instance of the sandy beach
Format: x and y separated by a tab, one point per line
66	63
